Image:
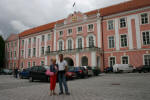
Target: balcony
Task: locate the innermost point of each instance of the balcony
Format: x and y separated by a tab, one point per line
73	51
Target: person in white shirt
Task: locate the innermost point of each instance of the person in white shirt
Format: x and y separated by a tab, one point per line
62	70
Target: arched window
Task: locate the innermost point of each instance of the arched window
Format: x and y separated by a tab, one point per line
69	44
91	41
60	45
80	43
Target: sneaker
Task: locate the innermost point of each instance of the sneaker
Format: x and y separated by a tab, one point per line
67	93
61	93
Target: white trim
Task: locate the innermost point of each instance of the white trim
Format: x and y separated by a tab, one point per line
54	44
125	17
142	37
143	58
93	59
77	59
62	44
88	28
68	34
127	40
117	34
108	41
67	42
129	18
87	40
77	29
77	41
125	56
141	17
109	60
108	24
99	43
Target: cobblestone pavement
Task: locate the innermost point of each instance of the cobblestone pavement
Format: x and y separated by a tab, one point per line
129	86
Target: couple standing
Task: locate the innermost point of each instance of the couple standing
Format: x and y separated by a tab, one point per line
60	68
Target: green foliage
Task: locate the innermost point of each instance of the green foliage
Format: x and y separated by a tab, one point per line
2	52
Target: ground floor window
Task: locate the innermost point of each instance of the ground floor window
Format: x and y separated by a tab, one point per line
112	61
42	63
125	60
147	59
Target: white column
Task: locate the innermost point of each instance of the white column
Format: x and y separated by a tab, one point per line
93	58
24	48
31	47
54	39
37	38
27	48
45	48
117	33
99	33
18	50
40	40
77	59
137	27
129	18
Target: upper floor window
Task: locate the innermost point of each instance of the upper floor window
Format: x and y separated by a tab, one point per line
49	36
122	22
112	61
29	64
111	42
29	52
15	44
60	33
29	40
11	44
42	50
147	60
34	39
80	29
8	45
14	54
80	43
22	65
123	40
22	52
91	41
69	31
11	54
125	60
110	25
48	49
34	52
146	38
43	37
90	27
22	42
69	44
60	45
144	18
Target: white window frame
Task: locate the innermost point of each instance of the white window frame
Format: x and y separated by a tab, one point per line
28	64
108	41
22	53
78	32
67	43
125	22
42	52
141	18
62	44
127	41
109	60
22	42
77	41
68	31
62	33
87	40
49	36
144	59
33	52
108	24
42	39
125	56
142	37
88	30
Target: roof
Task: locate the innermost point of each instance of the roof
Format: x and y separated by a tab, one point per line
125	6
12	37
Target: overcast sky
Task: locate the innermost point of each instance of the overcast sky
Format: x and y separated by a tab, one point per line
19	15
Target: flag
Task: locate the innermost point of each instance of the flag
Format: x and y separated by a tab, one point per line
74	4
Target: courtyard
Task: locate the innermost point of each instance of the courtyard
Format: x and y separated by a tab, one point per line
125	86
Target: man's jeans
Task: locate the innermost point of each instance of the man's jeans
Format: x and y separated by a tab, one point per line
62	79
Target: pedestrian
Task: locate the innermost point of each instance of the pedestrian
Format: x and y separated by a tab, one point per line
62	70
53	78
16	72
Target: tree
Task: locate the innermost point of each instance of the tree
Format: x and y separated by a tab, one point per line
2	52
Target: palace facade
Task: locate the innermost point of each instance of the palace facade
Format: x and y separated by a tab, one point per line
118	34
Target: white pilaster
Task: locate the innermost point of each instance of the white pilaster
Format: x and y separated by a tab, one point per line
77	59
137	27
99	33
45	48
31	47
40	40
93	58
117	33
55	40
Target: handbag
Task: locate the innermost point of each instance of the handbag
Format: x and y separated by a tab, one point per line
49	73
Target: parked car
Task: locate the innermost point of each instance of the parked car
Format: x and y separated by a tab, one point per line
123	68
143	68
7	72
108	69
24	73
71	74
38	73
89	70
80	72
96	70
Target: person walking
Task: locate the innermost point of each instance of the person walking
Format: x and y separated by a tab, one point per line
62	70
53	78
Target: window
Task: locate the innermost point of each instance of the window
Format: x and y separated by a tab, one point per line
29	64
42	63
69	31
15	44
110	25
43	37
33	64
29	40
111	42
22	65
60	33
112	61
48	49
146	38
60	45
124	40
22	52
90	27
69	44
14	54
122	22
29	52
125	60
42	52
80	29
12	44
49	36
34	52
144	18
91	41
11	54
34	39
147	60
79	43
8	45
22	42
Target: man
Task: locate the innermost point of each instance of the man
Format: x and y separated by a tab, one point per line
62	70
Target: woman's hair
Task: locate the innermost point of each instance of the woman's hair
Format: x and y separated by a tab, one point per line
53	60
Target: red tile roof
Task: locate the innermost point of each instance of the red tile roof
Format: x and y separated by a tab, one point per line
12	37
125	6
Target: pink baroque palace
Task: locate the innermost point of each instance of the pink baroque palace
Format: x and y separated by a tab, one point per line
118	34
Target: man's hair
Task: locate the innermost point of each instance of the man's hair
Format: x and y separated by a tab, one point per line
61	55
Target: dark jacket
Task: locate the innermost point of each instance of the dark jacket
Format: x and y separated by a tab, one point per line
52	68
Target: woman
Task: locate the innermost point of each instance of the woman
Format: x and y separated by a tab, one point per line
53	78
